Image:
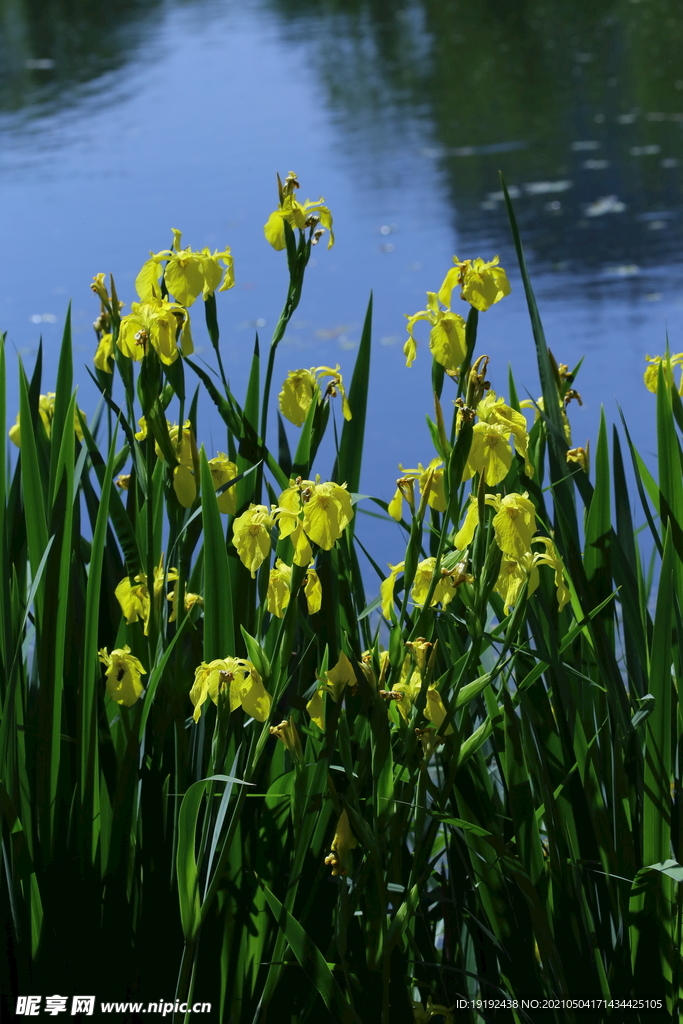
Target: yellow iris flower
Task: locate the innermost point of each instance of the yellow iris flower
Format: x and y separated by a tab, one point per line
288	734
251	536
444	592
46	411
236	676
297	215
326	508
187	274
155	322
651	375
104	356
279	584
344	841
301	386
424	1016
482	284
135	600
431	481
306	512
446	338
222	472
514	523
190	601
336	679
123	675
515	572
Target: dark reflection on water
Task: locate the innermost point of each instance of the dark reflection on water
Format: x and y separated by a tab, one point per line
581	104
51	49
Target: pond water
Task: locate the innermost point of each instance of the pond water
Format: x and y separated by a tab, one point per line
119	122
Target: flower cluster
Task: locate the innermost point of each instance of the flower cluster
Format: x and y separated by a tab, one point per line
514	526
444	592
308	512
481	284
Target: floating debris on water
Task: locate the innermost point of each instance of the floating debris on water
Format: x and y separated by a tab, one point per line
606	204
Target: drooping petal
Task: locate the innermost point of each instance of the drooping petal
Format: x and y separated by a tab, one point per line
434	709
185	486
123	675
279	582
447	341
147	281
251	536
313	592
254	698
342	675
274	230
222	472
316	709
490	454
386	589
296	396
104	356
395	507
464	536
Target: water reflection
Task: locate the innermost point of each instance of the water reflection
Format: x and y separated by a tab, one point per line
50	50
580	104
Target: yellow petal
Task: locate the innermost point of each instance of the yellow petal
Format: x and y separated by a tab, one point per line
466	533
490	453
451	281
485	284
395	507
315	709
341	675
514	525
147	281
313	592
184	277
279	588
184	486
274	230
447	341
254	697
434	709
251	536
296	396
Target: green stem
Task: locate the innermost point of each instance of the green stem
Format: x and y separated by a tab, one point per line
296	281
149	520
